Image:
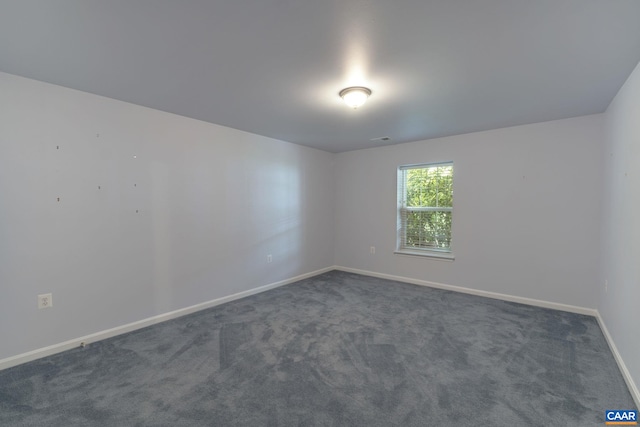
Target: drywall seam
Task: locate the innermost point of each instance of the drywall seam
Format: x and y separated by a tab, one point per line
119	330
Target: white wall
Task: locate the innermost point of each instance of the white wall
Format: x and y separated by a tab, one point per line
526	210
212	202
621	224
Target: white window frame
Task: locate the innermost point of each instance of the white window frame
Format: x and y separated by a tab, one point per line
440	253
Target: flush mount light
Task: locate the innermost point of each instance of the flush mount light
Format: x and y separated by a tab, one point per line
355	96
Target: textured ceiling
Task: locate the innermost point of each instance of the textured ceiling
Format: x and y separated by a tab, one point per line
275	67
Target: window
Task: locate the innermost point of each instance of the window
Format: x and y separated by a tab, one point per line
425	208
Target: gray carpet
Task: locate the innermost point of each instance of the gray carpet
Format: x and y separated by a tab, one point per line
338	349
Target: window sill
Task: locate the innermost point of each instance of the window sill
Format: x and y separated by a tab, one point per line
444	256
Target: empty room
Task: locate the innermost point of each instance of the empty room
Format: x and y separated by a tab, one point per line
319	213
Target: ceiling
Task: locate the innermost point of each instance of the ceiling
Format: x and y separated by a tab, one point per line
275	67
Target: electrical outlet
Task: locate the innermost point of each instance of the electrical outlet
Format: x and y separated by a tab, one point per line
372	250
269	258
45	301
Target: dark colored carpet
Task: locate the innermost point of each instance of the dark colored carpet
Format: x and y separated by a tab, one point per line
338	349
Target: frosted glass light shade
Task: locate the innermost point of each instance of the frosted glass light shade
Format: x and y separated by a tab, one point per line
354	97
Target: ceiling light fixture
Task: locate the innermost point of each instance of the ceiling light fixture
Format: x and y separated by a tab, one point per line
355	96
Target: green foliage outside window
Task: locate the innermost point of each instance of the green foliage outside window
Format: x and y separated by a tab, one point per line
427	207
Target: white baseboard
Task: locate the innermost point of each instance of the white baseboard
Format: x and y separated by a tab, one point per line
633	389
98	336
487	294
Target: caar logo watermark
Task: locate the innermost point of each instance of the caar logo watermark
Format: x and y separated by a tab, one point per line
620	417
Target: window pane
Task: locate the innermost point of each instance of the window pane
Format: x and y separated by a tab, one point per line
430	186
428	230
